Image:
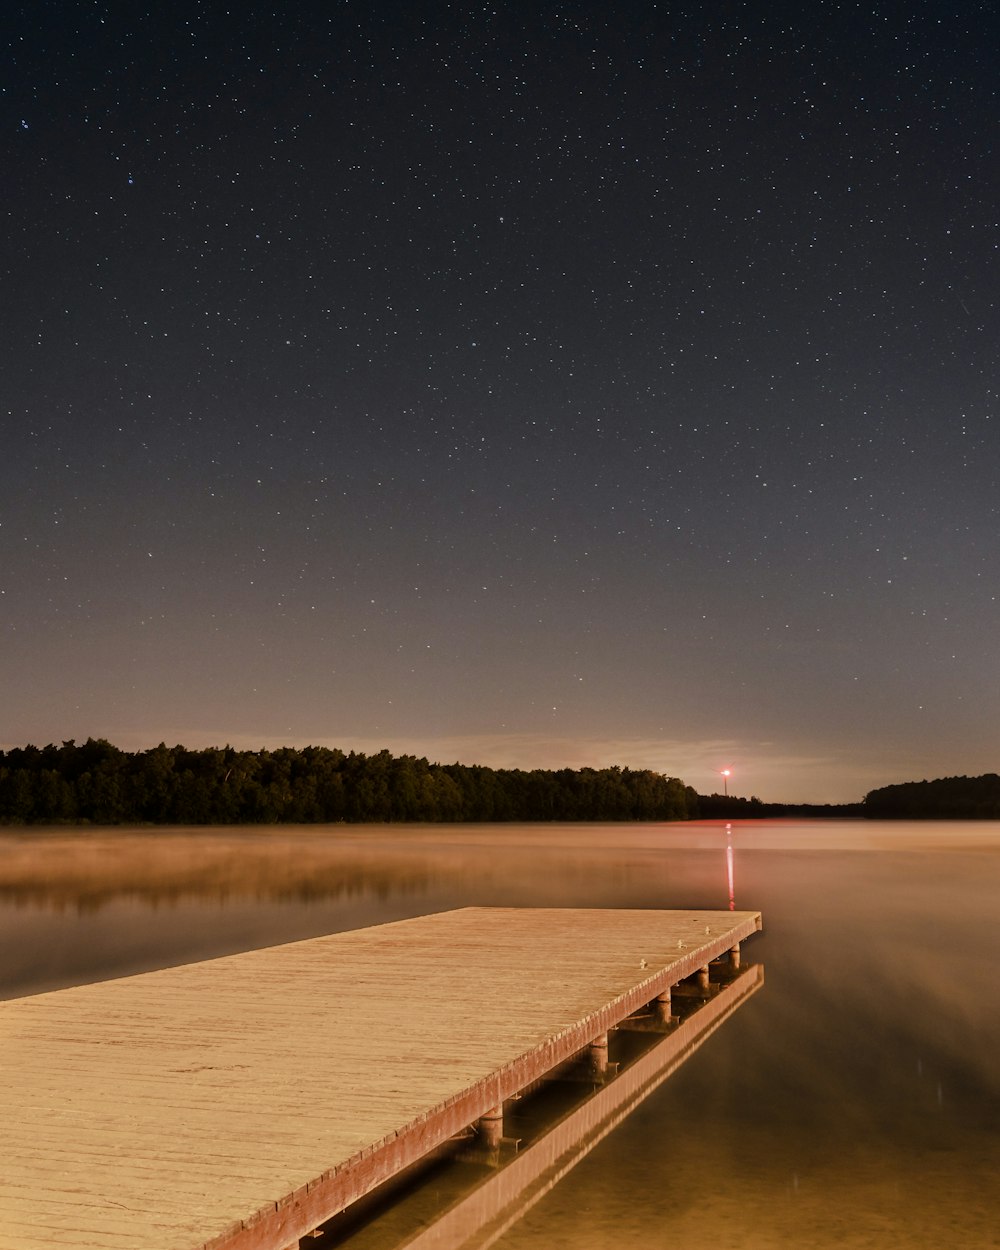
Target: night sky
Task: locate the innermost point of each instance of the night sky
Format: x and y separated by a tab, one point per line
526	384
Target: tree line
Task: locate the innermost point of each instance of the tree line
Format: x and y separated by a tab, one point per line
947	798
98	783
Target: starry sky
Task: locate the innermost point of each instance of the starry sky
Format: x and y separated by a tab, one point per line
528	384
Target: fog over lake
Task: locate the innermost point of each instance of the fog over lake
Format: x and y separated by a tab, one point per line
851	1102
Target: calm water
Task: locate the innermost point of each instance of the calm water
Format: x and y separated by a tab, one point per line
852	1102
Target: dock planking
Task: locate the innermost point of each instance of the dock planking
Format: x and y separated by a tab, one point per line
238	1103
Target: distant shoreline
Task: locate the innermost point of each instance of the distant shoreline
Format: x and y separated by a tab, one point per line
97	784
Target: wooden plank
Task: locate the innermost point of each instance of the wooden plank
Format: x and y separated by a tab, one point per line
240	1102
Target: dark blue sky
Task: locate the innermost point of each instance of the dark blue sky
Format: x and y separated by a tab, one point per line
524	384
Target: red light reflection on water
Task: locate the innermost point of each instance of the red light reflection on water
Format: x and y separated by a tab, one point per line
729	867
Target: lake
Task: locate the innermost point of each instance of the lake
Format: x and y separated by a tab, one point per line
851	1102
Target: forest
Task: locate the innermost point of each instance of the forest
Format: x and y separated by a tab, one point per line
947	798
96	783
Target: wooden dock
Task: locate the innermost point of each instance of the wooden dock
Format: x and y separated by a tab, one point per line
239	1103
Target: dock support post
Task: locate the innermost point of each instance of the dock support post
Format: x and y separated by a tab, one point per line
597	1057
490	1128
661	1007
702	979
734	956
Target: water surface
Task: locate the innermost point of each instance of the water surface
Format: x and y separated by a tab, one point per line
852	1102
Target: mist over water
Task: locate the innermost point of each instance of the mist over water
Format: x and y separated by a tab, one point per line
853	1101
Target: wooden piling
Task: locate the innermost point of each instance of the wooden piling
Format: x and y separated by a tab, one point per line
490	1128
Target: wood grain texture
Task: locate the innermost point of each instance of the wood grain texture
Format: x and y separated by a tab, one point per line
237	1103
